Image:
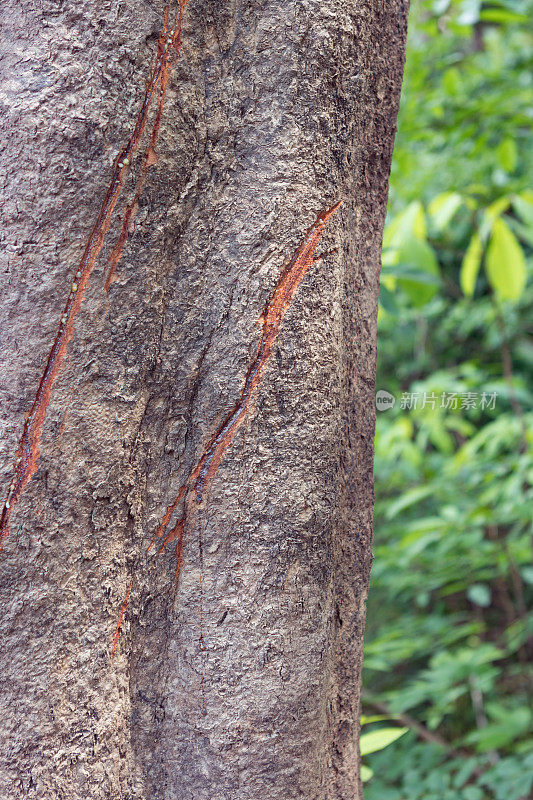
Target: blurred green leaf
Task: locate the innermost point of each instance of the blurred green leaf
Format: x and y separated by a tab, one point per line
501	15
508	154
452	81
510	725
492	213
527	575
469	12
471	264
418	257
407	272
448	631
410	223
377	740
387	300
367	720
479	594
443	208
505	262
523	205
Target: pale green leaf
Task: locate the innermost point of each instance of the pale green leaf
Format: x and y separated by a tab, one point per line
505	262
411	222
406	272
523	205
524	232
492	213
407	499
387	300
452	81
378	740
470	10
527	575
366	773
443	208
502	15
508	154
479	594
471	264
366	720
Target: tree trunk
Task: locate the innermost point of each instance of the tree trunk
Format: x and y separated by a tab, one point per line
220	348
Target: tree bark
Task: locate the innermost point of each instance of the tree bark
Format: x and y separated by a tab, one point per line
235	675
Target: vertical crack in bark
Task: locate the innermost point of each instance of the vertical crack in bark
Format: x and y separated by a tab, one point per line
27	453
193	490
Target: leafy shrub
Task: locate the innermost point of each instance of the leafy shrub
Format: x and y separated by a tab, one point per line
449	640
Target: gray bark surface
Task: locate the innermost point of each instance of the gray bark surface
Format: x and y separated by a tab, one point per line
241	681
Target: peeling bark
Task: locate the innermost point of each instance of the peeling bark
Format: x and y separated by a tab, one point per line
240	680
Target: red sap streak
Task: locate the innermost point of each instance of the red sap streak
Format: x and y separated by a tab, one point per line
150	156
167	517
27	453
272	318
121	619
149	159
176	535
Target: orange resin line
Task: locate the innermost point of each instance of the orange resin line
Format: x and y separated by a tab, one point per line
271	319
150	156
167	517
121	619
205	469
149	159
27	453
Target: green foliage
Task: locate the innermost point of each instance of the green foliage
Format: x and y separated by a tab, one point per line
506	264
449	639
378	740
465	115
375	741
422	771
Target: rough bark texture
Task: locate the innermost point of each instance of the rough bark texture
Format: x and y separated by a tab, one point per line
242	681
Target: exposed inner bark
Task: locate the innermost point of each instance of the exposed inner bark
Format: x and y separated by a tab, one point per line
242	679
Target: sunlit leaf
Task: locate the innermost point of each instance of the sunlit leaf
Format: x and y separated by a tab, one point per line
470	10
410	223
378	740
374	718
492	213
508	154
505	262
501	15
479	594
471	264
443	208
452	81
366	773
523	205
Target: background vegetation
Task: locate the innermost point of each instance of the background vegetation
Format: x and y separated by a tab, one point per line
449	640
